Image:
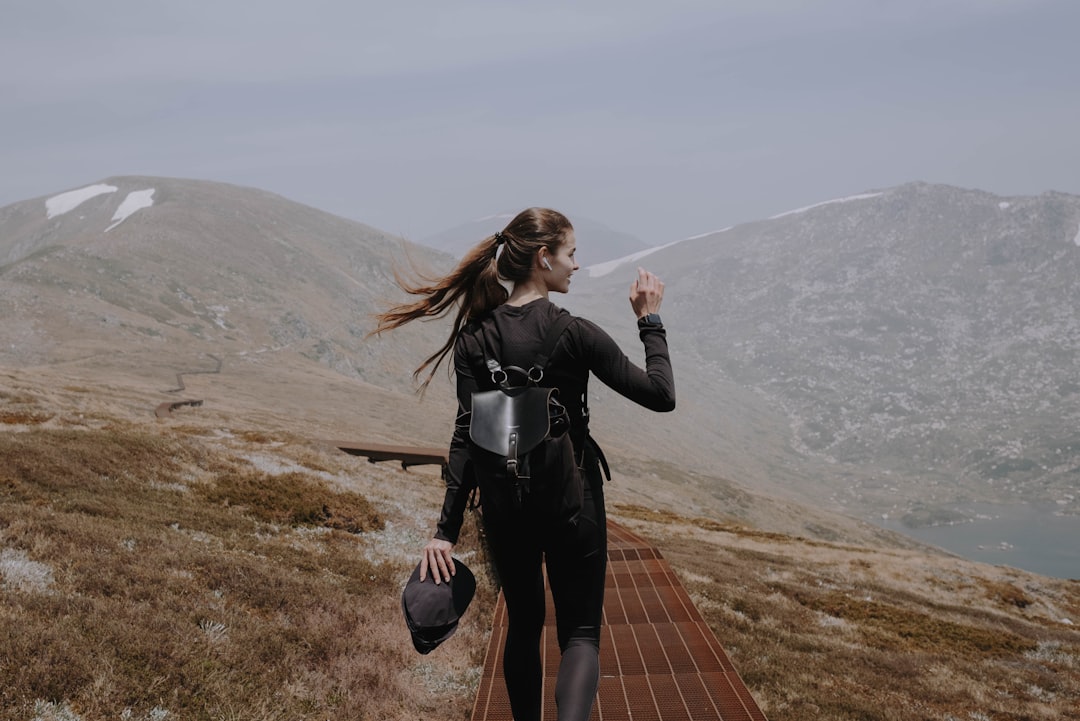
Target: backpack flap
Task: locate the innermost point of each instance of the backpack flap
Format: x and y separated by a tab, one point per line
510	422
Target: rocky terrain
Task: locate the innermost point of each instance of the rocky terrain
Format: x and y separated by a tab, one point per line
920	341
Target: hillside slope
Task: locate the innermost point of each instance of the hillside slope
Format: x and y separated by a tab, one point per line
210	566
919	343
273	297
890	352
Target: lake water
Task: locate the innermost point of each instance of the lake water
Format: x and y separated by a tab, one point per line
1033	537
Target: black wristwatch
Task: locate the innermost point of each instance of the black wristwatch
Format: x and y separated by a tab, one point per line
650	319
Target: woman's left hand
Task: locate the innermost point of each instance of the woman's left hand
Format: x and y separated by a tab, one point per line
646	293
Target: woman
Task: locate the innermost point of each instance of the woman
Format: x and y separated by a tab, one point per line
535	253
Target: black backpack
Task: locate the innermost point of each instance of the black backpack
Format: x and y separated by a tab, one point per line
522	454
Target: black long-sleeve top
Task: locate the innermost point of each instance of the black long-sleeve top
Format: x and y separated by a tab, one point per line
515	334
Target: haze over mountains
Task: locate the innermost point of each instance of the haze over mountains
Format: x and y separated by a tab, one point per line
896	349
598	243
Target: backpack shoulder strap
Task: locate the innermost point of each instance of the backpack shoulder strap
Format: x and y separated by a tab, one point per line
555	331
551	339
481	338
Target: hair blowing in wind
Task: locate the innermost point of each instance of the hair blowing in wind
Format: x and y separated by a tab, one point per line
473	286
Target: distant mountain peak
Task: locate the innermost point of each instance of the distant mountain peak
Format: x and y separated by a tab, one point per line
159	267
848	199
920	341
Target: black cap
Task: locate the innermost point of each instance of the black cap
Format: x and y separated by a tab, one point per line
432	611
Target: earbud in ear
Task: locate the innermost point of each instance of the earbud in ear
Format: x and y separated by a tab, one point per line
546	263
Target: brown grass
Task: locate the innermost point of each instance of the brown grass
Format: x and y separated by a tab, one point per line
182	578
21	408
1006	593
292	498
162	568
16	417
257	436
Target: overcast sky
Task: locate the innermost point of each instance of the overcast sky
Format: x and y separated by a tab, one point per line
663	118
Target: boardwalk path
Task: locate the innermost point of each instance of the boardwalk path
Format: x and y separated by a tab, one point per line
659	661
658	658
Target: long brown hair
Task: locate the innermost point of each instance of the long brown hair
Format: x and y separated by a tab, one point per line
474	285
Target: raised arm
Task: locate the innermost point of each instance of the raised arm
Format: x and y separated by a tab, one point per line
653	386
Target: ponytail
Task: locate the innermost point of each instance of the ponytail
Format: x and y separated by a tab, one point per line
474	284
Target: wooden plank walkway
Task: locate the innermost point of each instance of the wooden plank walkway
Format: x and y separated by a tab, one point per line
659	661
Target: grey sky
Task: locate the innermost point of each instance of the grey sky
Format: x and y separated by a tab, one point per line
663	119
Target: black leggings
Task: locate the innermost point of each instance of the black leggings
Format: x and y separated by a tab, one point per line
576	560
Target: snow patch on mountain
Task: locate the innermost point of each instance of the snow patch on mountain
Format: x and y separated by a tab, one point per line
135	200
497	216
65	202
711	232
848	199
1077	238
599	269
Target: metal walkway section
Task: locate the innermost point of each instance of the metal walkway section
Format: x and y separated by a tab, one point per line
659	661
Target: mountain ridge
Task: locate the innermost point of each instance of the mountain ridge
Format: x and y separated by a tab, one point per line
878	324
908	346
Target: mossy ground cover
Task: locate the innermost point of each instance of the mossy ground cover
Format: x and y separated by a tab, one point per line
154	572
151	572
